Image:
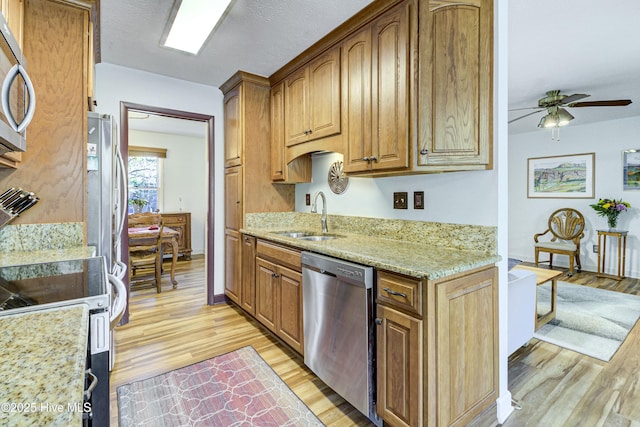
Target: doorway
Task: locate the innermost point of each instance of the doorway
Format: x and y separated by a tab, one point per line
125	109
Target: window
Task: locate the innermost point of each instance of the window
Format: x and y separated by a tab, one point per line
145	178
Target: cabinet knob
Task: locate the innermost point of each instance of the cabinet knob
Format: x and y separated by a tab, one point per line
378	321
275	276
373	158
424	151
365	158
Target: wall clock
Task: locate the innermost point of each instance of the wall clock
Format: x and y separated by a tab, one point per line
338	181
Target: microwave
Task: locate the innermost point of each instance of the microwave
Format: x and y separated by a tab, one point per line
16	95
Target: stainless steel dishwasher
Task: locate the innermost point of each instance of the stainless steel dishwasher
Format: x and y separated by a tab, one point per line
339	334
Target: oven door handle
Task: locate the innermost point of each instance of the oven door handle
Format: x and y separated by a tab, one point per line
120	303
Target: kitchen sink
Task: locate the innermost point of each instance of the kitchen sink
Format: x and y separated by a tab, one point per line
294	234
319	237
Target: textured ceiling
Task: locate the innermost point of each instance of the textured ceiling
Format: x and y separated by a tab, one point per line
576	46
258	36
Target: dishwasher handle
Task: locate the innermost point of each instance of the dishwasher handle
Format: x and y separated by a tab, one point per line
344	270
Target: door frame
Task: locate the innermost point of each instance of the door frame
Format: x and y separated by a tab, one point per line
125	108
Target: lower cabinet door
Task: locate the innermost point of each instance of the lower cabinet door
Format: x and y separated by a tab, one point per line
290	315
399	367
248	293
232	278
266	293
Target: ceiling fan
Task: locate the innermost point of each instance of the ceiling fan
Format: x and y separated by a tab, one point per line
556	103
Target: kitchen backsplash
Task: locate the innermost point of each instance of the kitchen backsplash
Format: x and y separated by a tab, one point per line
453	236
35	237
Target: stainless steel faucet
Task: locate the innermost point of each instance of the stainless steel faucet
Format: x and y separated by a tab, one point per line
314	209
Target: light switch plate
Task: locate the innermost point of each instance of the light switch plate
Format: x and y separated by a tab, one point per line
418	200
400	200
307	199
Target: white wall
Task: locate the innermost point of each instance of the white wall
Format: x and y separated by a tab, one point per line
460	197
115	84
184	173
529	216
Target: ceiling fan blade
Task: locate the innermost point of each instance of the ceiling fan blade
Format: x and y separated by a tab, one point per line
524	108
573	98
612	103
526	115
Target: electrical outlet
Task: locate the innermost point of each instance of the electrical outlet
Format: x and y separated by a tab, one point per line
595	249
307	199
400	200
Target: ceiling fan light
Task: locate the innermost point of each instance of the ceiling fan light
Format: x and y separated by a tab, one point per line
549	121
564	117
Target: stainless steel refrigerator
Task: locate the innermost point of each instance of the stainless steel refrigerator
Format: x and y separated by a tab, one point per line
107	192
106	199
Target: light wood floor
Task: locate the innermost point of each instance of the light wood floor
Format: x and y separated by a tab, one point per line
556	387
176	328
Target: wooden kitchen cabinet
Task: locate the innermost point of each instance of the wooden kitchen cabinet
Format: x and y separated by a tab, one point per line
181	222
13	12
376	99
312	100
233	128
248	287
279	292
450	350
455	85
247	178
299	169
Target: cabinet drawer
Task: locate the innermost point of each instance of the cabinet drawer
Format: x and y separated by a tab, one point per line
400	291
284	256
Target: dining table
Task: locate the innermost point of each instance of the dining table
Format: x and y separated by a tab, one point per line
169	236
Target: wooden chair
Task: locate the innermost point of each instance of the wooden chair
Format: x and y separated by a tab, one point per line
145	251
566	227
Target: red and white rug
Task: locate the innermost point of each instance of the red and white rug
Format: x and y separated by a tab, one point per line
235	389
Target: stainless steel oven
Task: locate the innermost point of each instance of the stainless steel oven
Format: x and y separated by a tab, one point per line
54	284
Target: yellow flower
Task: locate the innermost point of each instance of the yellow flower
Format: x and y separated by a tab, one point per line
606	205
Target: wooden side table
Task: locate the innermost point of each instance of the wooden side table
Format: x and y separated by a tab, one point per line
543	276
621	236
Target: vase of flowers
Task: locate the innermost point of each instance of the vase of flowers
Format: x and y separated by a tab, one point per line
138	204
611	208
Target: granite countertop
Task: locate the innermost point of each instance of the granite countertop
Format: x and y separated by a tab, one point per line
416	258
45	255
43	356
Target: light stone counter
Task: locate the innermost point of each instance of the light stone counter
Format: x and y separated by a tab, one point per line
42	363
415	248
45	255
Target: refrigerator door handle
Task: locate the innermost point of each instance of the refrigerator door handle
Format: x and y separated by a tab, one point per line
122	212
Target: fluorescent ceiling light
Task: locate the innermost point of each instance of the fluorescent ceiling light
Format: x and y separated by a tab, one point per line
193	22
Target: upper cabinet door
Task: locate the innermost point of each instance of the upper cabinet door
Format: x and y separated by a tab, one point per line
233	128
356	101
455	112
312	100
390	89
277	133
324	95
296	107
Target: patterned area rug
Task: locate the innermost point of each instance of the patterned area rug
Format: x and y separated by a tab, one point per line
590	321
235	389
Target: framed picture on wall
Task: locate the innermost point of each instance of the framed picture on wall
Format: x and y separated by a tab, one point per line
561	177
631	169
